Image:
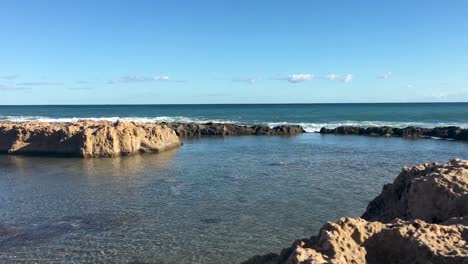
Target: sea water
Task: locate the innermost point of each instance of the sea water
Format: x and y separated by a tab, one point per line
214	200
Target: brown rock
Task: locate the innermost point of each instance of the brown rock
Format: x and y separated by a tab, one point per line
85	138
430	192
359	241
219	129
437	194
451	132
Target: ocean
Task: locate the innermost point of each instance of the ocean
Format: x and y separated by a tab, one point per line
311	116
214	200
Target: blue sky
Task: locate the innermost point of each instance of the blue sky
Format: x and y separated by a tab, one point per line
166	52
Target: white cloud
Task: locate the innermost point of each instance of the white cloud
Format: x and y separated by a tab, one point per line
331	76
135	78
160	78
450	95
337	77
297	78
8	87
385	76
9	77
409	86
347	78
39	83
249	80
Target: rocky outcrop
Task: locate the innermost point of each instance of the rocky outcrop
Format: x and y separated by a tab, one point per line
452	132
431	192
219	129
85	138
108	139
391	231
359	241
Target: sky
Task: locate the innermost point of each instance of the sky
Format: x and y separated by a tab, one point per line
195	52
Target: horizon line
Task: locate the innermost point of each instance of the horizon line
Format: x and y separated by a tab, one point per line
169	104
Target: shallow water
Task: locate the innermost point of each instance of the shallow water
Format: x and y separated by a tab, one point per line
214	200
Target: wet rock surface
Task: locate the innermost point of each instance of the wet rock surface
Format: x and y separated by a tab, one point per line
451	132
220	129
420	218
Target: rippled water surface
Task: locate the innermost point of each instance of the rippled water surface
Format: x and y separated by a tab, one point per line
214	200
311	116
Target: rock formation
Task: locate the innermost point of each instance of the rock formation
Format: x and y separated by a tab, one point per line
391	232
219	129
452	132
431	192
85	138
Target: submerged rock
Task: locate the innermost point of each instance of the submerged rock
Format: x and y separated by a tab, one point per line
219	129
85	138
420	218
451	132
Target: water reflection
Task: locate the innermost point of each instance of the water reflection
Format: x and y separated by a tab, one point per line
127	166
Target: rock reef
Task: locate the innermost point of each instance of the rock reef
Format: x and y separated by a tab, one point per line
220	129
85	138
420	218
451	132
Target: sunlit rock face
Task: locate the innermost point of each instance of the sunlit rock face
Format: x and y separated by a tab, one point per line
431	192
420	218
85	138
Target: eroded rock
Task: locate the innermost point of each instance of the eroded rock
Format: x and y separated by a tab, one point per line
451	132
431	192
219	129
85	138
359	241
432	202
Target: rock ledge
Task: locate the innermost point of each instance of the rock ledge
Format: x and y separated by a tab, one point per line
391	231
451	132
221	129
85	138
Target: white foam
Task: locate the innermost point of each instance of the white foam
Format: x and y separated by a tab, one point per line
181	119
308	127
315	127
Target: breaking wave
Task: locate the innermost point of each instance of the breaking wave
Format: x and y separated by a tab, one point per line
309	127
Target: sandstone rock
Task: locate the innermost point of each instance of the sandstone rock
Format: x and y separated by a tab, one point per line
359	241
392	231
431	192
218	129
85	138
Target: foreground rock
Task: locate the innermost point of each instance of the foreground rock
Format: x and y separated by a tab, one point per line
219	129
431	192
436	193
85	138
359	241
452	132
